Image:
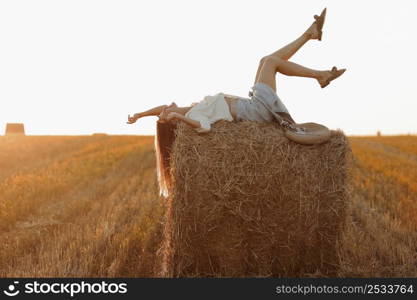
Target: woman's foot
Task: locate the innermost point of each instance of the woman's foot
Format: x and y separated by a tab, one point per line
327	76
312	32
315	32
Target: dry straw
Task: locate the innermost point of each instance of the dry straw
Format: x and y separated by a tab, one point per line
246	201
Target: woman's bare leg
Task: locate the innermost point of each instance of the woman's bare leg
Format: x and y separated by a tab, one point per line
273	64
289	50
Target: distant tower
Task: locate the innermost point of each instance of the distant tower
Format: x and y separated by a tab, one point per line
15	128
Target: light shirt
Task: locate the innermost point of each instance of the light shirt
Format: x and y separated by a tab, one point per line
210	110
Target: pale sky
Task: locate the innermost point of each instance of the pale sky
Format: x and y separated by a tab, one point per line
79	67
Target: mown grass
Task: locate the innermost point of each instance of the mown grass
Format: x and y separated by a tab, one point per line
88	206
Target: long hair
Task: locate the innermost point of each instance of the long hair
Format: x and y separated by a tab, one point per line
164	139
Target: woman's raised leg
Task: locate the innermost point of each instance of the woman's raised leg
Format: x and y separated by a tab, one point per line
273	64
289	50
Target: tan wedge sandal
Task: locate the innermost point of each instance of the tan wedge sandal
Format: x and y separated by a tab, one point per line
320	22
335	73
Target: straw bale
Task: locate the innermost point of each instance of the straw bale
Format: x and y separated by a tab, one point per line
15	128
247	202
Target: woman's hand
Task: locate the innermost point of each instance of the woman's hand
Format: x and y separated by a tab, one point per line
163	115
173	116
167	114
133	119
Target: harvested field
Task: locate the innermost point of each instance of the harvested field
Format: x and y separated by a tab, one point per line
74	206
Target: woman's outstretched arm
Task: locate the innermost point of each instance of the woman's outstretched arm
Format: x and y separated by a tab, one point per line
156	111
177	116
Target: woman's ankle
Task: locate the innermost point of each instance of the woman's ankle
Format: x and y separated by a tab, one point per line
322	76
307	35
312	32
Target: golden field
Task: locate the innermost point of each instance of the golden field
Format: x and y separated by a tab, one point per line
88	206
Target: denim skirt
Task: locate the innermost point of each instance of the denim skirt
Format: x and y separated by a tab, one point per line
251	109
